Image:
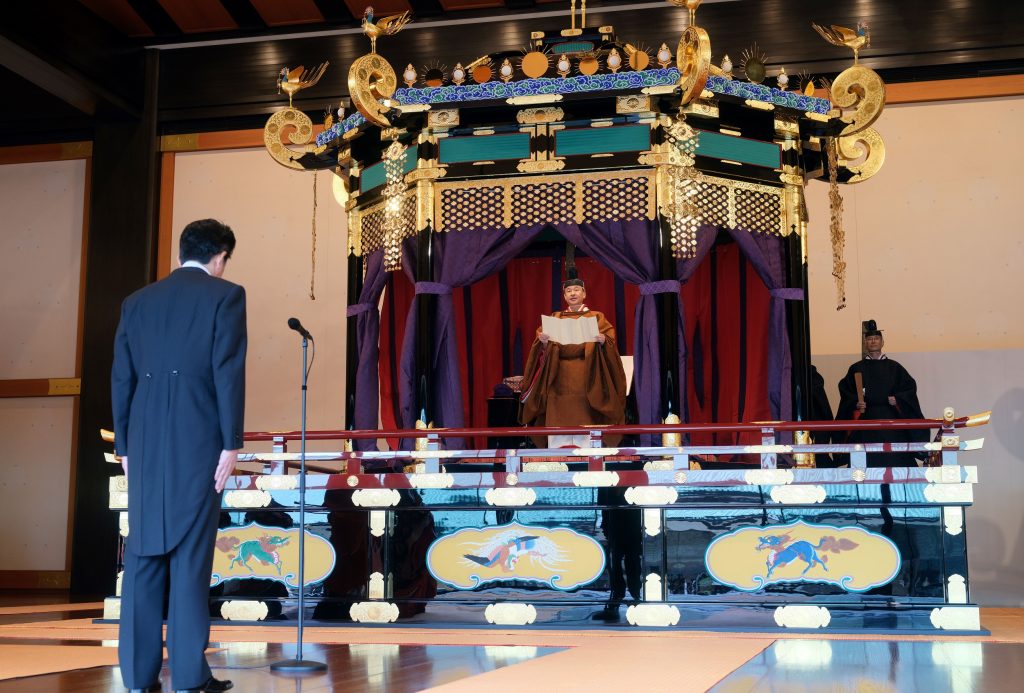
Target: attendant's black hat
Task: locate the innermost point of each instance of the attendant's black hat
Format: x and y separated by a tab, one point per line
870	329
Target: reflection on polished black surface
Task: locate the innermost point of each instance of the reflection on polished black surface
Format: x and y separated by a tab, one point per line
351	668
882	556
848	665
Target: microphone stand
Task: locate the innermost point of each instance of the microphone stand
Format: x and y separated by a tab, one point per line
298	665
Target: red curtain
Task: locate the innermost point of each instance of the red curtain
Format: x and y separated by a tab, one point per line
726	334
532	289
727	341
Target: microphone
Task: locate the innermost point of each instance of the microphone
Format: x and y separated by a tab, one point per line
294	324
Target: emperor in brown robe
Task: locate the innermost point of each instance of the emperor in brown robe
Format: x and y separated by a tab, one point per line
575	384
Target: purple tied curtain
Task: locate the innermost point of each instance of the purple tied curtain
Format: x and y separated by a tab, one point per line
367	386
460	259
767	254
630	250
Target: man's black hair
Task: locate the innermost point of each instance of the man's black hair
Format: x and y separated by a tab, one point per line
204	238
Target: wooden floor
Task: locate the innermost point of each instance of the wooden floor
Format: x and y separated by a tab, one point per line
720	662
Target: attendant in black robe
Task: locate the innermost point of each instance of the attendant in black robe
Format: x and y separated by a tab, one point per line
889	392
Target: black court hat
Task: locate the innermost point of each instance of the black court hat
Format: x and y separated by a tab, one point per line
574	281
870	329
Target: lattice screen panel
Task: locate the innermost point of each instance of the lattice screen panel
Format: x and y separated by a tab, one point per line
758	211
540	203
617	199
472	208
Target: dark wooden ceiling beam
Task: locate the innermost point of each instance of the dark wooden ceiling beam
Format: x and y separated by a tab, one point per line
426	8
154	14
43	74
334	11
244	14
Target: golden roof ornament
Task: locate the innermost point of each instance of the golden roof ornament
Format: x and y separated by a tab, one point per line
291	82
693	55
385	26
782	79
506	70
613	61
564	66
458	74
409	75
841	36
371	78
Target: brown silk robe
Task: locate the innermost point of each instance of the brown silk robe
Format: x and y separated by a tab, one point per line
577	384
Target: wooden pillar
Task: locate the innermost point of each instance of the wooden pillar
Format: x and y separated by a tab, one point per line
122	257
668	328
355	288
426	308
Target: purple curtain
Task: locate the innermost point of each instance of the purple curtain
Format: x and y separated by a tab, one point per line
767	254
630	250
367	386
460	258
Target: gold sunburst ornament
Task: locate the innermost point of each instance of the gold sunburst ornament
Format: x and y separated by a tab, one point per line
639	56
754	64
481	69
535	63
434	74
588	64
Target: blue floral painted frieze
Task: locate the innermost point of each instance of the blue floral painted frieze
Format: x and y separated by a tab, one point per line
580	84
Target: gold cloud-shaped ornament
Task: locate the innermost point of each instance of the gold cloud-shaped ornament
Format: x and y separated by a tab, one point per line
848	557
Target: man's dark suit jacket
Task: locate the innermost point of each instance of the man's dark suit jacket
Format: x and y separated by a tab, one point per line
178	386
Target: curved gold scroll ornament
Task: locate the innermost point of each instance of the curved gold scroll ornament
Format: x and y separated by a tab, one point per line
867	145
299	129
370	79
693	58
859	88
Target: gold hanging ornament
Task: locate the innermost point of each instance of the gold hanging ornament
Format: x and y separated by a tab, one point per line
312	270
836	227
680	209
394	164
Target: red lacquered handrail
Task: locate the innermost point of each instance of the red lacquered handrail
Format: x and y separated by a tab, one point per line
655	429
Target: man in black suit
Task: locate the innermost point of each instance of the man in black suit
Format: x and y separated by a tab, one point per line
178	386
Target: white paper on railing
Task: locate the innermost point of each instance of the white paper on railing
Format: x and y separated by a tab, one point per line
569	330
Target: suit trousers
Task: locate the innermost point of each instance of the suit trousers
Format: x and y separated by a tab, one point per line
187	566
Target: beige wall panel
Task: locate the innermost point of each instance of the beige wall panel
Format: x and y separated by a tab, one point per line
34	485
972	382
934	251
270	209
40	256
934	241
